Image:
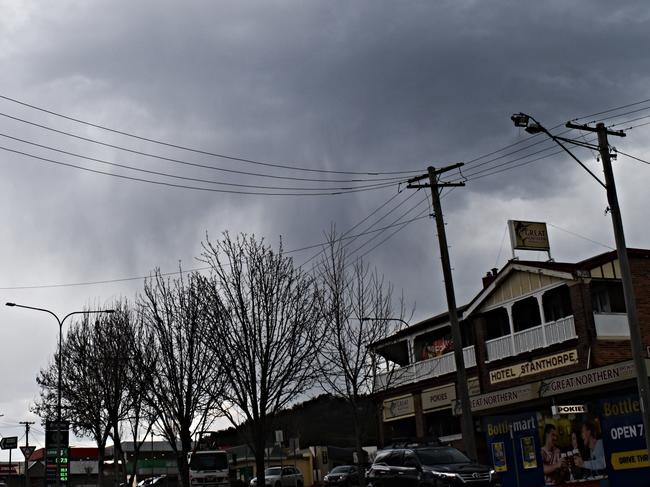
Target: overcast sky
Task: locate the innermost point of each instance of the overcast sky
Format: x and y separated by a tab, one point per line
360	86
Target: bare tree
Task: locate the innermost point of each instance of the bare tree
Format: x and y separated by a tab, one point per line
264	316
358	307
185	382
142	415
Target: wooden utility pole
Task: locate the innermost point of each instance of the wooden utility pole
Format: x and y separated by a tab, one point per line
462	392
626	273
27	425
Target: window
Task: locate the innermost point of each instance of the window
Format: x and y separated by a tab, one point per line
410	460
392	458
607	297
441	456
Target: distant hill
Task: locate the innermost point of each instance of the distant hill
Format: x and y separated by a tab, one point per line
324	420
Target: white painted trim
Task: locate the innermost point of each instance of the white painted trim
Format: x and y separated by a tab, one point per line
510	267
541	290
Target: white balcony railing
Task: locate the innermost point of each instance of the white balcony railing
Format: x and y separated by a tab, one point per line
425	369
531	339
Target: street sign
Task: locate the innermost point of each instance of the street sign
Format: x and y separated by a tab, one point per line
9	442
27	451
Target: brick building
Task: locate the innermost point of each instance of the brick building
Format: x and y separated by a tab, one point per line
538	335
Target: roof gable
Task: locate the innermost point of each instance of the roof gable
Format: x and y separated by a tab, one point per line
515	280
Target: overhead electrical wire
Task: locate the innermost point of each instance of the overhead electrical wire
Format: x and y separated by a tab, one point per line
473	175
632	157
198	151
184	162
186	178
611	110
324	192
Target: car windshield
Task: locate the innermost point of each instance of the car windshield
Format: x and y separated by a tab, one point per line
273	471
440	456
342	469
209	461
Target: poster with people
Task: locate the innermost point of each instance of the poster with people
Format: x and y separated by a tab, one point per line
572	450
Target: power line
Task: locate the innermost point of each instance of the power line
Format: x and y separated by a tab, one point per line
183	186
180	161
629	121
185	178
611	110
190	149
633	157
575	234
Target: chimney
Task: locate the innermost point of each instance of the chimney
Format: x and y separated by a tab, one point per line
489	277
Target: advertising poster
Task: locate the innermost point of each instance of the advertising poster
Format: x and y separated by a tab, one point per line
514	443
573	446
499	456
624	442
528	452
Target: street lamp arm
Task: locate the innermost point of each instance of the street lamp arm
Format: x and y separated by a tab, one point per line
38	309
370	318
538	127
108	311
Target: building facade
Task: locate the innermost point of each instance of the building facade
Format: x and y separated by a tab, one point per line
539	337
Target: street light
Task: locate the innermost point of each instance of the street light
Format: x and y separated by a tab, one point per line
60	322
636	343
58	406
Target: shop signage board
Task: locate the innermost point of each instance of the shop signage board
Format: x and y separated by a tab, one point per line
534	366
588	378
528	235
398	407
569	409
442	397
504	397
624	441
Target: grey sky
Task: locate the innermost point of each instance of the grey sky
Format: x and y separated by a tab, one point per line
352	86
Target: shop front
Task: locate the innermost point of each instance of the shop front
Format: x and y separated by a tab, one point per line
581	429
399	418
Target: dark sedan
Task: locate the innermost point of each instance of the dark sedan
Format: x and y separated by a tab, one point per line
344	475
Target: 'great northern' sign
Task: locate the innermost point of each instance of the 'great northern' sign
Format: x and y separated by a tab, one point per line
535	366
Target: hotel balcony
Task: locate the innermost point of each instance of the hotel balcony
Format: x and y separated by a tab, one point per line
531	338
422	370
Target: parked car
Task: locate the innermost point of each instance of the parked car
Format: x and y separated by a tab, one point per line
428	466
344	475
281	477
